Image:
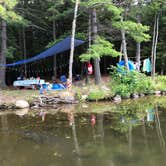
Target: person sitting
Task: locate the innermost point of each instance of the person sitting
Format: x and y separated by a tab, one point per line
77	77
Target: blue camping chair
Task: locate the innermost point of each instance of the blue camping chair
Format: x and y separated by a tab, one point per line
63	79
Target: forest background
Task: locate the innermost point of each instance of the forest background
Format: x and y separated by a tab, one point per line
132	28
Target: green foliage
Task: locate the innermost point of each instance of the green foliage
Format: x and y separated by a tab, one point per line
7	11
125	83
95	3
9	52
115	11
55	11
160	83
107	4
100	48
96	95
135	30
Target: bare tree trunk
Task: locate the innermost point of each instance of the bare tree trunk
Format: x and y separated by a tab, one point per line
89	41
25	51
90	29
138	56
152	50
155	47
138	45
3	56
121	47
162	68
72	40
96	60
154	44
54	57
124	47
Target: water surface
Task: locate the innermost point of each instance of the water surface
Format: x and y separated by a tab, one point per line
101	134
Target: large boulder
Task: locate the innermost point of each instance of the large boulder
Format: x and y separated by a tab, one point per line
22	104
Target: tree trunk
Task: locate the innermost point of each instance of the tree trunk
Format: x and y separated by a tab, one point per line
138	56
90	29
152	50
96	60
25	51
3	56
72	40
124	48
154	44
138	45
89	43
54	57
121	47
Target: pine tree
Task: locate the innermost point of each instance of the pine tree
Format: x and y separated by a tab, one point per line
72	39
7	14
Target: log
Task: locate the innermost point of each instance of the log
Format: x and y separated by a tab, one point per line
52	101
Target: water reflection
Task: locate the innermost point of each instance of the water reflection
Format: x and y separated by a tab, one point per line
158	128
22	112
133	135
75	140
42	114
150	114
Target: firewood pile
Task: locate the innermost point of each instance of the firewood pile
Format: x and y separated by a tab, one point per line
53	101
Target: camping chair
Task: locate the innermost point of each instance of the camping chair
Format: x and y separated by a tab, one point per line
63	79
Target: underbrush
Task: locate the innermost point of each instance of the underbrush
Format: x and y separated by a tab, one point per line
125	83
160	83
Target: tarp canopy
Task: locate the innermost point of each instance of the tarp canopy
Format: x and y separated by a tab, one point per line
62	46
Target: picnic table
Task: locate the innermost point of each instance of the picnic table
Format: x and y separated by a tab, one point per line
28	83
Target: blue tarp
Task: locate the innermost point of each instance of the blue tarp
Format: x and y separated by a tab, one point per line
56	49
130	63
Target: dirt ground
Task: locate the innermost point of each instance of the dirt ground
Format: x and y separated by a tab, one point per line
10	95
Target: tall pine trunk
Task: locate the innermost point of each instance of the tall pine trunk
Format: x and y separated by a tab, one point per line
72	40
138	56
121	47
124	46
154	44
89	41
25	51
3	56
138	45
94	36
54	57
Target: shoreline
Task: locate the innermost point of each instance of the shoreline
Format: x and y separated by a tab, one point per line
55	100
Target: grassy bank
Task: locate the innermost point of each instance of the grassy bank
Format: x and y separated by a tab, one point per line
116	84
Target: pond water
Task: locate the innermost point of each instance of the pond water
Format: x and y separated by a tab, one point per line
131	133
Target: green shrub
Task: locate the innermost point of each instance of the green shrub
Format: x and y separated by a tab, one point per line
96	95
121	89
125	82
160	83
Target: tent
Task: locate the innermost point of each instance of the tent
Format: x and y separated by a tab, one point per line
62	46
